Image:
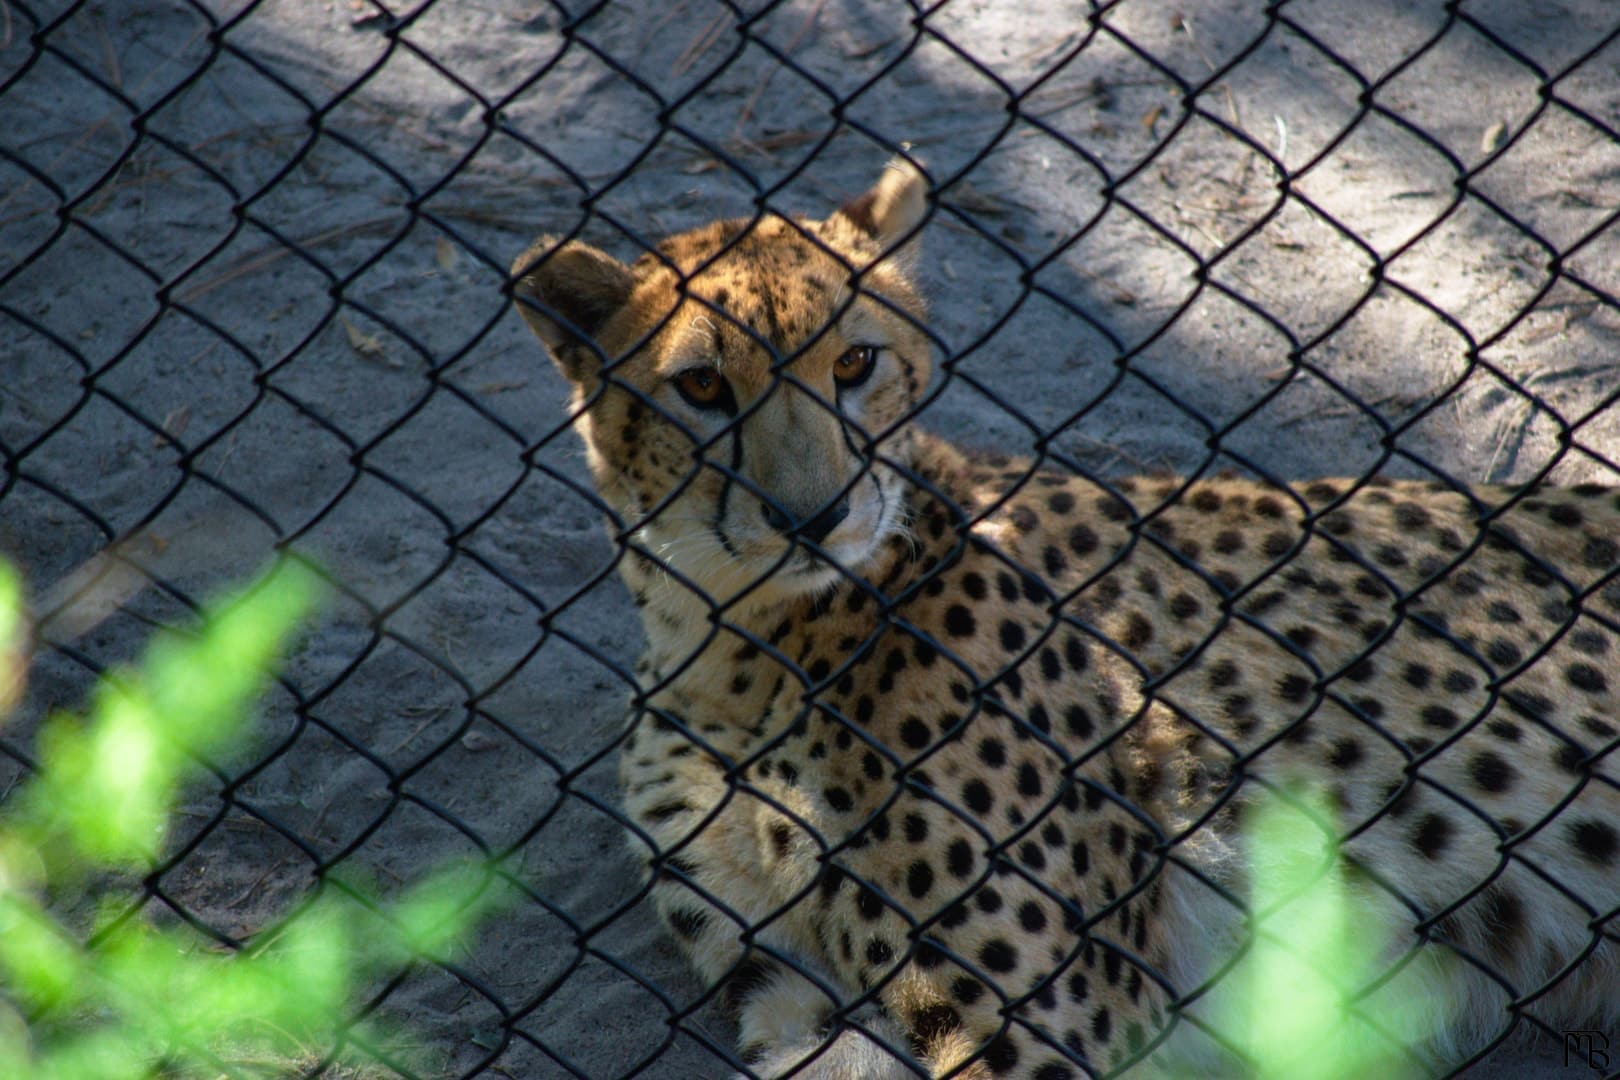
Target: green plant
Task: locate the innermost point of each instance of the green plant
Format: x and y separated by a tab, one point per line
1307	1003
117	997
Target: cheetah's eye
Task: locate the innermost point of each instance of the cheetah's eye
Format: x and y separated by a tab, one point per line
705	388
855	366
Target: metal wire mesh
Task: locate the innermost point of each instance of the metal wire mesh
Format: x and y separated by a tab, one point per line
254	297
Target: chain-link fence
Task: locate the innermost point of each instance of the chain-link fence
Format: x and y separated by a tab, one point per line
254	297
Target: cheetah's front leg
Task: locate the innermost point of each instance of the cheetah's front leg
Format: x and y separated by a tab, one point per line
789	1027
739	898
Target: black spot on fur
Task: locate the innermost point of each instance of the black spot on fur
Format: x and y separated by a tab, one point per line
1138	631
1566	515
1503	653
1276	544
1052	558
1080	858
665	811
1589	642
1302	637
1432	836
1368	585
1506	730
919	878
1409	515
1345	754
967	989
688	922
1438	716
1360	671
1491	772
1599	727
998	956
1595	841
1459	682
1101	1025
1029	780
1001	1055
977	796
1082	540
1264	602
1295	688
1184	606
1583	676
1600	553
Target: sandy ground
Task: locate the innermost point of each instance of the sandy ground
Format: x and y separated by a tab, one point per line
269	312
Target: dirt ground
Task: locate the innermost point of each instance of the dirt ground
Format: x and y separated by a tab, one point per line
251	259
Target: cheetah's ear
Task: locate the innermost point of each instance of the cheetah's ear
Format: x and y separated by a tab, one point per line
566	293
894	206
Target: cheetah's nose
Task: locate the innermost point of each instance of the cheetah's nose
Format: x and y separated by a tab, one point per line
816	529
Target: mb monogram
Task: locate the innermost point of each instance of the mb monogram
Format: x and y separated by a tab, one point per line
1587	1047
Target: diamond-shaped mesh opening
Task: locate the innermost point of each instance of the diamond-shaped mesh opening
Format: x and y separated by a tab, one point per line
977	806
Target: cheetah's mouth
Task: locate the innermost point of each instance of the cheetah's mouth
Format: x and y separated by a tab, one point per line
810	567
849	548
736	558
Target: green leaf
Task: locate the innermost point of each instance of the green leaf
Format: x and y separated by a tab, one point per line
146	1002
1307	1003
107	787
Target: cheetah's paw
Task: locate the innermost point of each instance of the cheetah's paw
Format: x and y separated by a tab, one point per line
850	1054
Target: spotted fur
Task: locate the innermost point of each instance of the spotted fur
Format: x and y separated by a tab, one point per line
956	787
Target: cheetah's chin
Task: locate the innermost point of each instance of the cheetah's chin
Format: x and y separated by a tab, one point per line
807	572
802	572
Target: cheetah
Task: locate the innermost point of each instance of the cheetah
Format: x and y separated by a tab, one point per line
939	762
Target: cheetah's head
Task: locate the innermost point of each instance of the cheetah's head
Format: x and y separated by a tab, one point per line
743	389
